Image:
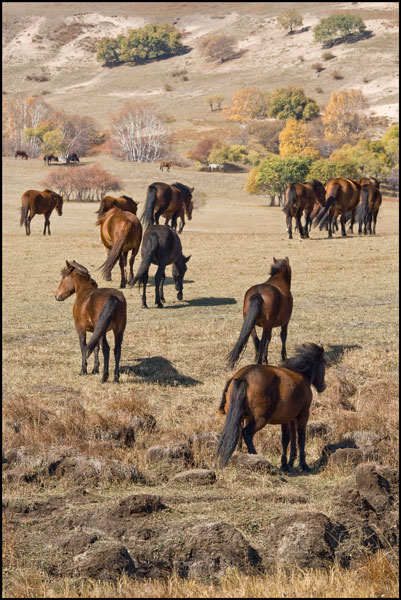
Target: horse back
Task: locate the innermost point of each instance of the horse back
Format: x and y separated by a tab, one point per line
88	306
276	308
168	246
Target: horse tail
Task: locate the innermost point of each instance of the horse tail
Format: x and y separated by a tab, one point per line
116	250
291	197
101	208
255	303
151	247
320	217
105	318
147	217
231	431
24	210
362	210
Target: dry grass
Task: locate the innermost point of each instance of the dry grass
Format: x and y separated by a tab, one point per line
345	298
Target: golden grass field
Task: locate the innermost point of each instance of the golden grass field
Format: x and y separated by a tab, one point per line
345	298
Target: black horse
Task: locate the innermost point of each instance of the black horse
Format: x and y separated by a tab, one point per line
161	246
48	158
72	158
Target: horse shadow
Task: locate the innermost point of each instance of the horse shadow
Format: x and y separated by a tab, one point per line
210	301
158	369
335	352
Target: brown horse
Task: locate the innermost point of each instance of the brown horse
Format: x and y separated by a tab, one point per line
161	246
22	154
258	395
165	165
120	232
368	208
267	305
123	202
34	203
48	158
184	209
97	310
342	196
162	197
302	198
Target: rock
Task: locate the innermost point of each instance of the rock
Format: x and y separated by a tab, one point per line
346	456
195	477
317	428
106	560
77	542
178	452
253	462
331	448
372	483
81	469
138	504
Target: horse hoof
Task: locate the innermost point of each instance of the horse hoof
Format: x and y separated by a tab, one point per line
104	379
123	285
95	371
179	296
305	468
285	468
144	306
160	305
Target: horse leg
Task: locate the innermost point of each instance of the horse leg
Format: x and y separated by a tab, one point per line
247	434
308	222
118	340
157	215
158	277
162	287
300	228
182	224
285	440
28	225
283	336
293	450
123	265
131	266
97	363
174	220
342	222
82	343
374	223
301	429
106	357
256	343
289	227
144	281
264	346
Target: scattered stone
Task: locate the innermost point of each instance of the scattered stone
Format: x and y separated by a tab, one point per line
346	456
331	448
317	428
106	560
195	476
138	504
372	483
253	462
179	452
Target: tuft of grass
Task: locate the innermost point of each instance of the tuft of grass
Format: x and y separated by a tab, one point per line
337	75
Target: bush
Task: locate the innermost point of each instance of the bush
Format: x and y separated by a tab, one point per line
218	48
167	87
83	184
292	103
202	149
289	19
328	55
338	27
336	75
267	133
318	67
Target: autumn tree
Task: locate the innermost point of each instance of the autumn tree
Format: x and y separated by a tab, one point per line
230	153
294	140
246	104
20	114
344	117
292	103
369	157
52	143
391	144
138	133
202	149
289	18
337	28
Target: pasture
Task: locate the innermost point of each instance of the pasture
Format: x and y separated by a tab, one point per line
172	367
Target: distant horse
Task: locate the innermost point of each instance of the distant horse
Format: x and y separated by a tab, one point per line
342	196
267	305
302	198
161	246
161	197
97	310
22	154
123	202
215	167
48	158
166	165
368	208
73	157
258	395
34	203
120	232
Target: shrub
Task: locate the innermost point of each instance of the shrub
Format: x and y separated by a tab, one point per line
319	90
83	184
218	48
167	87
292	103
328	55
289	19
267	133
318	67
336	75
202	149
338	27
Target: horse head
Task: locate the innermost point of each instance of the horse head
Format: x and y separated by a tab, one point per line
179	270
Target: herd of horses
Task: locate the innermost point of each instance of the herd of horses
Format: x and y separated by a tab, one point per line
257	394
49	158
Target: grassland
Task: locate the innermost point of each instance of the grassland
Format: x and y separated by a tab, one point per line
345	298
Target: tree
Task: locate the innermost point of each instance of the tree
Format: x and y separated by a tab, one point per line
19	114
295	142
391	143
338	27
289	18
287	103
79	133
202	149
108	51
52	142
246	104
84	184
215	98
369	157
267	133
138	133
328	168
218	48
343	116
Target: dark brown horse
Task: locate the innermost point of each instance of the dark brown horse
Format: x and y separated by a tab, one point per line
97	310
161	197
342	196
184	208
48	158
165	165
120	232
73	157
302	198
34	203
123	202
368	208
258	395
22	154
266	305
161	246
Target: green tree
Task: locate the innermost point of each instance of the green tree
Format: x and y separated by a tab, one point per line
289	18
325	169
274	173
233	153
391	143
53	142
108	51
369	157
287	103
337	27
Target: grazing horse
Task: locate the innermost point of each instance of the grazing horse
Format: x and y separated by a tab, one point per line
267	305
120	232
22	154
302	198
48	158
368	207
342	196
258	395
34	203
215	167
97	310
161	197
73	157
123	202
165	165
161	246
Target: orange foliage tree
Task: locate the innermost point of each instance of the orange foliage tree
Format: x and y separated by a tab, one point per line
246	104
343	117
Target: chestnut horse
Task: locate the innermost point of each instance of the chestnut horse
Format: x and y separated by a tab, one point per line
267	305
368	208
96	310
342	196
22	154
258	395
34	203
161	246
165	165
302	198
162	198
123	202
120	232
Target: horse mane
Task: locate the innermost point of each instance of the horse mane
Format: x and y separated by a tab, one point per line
80	269
307	355
127	198
278	266
182	187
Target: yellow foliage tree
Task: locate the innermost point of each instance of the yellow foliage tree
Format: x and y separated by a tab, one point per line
294	140
246	104
344	117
